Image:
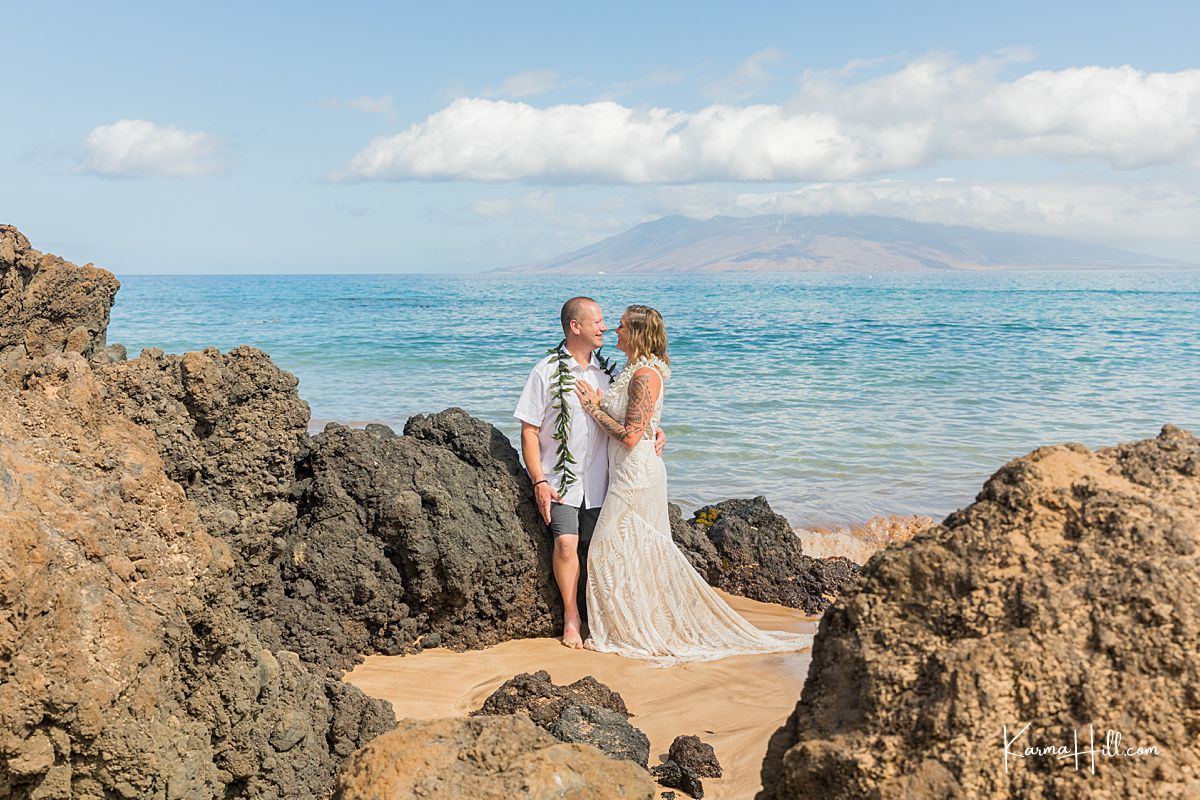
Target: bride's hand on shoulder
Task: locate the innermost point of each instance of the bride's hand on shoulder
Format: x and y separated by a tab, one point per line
589	396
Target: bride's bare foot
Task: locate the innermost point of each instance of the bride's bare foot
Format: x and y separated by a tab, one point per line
571	637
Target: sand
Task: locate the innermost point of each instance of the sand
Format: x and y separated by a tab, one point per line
734	704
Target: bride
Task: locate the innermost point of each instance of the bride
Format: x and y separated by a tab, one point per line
644	599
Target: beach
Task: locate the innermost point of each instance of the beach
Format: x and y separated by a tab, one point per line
189	574
734	704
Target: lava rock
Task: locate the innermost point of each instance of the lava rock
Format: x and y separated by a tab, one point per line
584	711
698	756
485	758
677	776
745	548
230	429
395	533
48	305
1065	597
607	730
126	661
534	695
131	662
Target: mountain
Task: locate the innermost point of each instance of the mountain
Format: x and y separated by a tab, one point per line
831	243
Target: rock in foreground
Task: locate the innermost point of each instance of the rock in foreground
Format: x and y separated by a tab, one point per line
126	667
696	755
585	711
129	664
1065	597
486	758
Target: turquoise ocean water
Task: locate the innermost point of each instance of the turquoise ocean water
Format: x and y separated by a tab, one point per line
839	397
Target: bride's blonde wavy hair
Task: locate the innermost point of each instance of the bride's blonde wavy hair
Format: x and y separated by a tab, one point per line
645	334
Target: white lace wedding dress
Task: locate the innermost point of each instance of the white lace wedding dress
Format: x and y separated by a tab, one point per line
644	599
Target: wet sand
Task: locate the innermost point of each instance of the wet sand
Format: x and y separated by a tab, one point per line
734	704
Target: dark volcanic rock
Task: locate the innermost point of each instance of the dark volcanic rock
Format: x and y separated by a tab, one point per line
395	534
486	758
542	701
474	441
48	305
584	711
677	776
602	728
1064	598
696	755
745	548
351	541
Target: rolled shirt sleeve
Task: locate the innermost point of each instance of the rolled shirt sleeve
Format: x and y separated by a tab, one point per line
532	405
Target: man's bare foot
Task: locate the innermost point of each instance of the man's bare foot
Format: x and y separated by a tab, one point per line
571	637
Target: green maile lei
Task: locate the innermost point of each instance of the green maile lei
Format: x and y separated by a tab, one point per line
562	383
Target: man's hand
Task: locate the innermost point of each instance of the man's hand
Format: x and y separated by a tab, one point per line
660	441
543	493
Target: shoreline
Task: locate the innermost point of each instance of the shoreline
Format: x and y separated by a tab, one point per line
172	529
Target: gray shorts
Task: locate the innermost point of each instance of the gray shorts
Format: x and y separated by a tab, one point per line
569	520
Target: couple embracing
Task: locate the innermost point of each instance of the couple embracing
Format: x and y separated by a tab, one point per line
591	442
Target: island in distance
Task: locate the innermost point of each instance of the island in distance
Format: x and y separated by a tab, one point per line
830	243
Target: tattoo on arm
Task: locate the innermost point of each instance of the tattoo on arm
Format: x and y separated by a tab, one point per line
614	428
641	406
637	415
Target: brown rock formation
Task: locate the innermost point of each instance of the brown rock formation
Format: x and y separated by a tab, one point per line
1064	598
126	669
128	666
230	428
486	758
48	305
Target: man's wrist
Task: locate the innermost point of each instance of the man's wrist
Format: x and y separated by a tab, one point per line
543	480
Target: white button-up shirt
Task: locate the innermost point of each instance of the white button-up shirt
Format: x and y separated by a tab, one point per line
586	440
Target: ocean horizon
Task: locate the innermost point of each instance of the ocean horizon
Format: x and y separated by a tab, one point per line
837	396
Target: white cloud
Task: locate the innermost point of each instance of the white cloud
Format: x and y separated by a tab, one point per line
835	129
750	78
132	148
526	84
372	105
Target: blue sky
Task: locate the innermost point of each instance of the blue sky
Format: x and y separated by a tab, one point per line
298	137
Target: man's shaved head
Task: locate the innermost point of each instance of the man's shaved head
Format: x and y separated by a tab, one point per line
573	309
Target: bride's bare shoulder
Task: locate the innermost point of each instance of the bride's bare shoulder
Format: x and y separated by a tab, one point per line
648	373
647	383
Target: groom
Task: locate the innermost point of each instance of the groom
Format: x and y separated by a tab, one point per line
567	460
